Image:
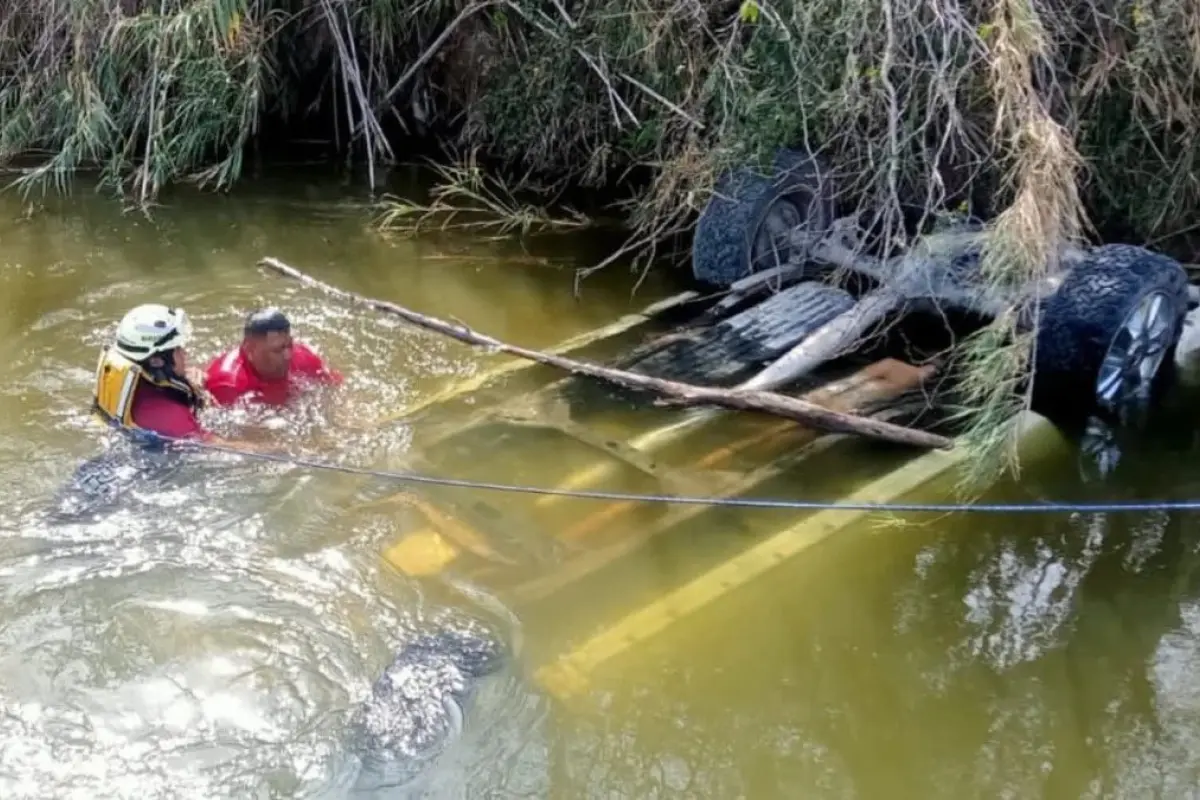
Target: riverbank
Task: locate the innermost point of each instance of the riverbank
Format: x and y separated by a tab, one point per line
921	110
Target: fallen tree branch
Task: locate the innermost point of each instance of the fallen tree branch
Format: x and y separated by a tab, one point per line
801	411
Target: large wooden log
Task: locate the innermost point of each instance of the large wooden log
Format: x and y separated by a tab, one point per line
685	394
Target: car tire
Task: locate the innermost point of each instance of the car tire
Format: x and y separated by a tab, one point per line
749	209
1090	317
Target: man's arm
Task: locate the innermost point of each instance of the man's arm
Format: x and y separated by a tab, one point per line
179	422
221	394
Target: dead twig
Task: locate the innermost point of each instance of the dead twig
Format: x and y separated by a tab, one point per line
433	49
672	107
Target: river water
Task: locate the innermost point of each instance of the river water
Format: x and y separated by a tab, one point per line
210	638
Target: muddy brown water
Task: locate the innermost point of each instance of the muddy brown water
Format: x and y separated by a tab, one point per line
207	640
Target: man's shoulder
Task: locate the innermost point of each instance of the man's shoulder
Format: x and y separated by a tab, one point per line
305	357
226	378
226	368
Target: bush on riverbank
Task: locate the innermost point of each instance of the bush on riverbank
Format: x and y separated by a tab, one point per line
918	104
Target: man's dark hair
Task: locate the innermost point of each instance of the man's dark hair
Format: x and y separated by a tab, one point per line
264	321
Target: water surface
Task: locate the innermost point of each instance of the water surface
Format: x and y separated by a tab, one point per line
209	639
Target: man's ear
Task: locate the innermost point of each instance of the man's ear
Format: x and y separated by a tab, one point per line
155	362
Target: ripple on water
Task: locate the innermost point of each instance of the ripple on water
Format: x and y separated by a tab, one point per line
196	662
189	643
56	318
210	634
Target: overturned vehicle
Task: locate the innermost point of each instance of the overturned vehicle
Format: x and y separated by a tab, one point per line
1105	318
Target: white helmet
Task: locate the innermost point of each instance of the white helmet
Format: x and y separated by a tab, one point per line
150	329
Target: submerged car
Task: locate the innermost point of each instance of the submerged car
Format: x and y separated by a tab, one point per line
1104	318
798	310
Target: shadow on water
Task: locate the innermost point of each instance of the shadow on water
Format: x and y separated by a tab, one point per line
213	631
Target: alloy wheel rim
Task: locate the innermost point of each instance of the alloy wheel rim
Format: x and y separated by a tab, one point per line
1135	355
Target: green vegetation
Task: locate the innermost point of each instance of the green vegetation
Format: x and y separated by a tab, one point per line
919	105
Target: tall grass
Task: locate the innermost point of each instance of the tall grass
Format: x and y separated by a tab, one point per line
1036	114
157	91
917	104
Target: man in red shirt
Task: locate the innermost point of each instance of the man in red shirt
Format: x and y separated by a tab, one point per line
268	366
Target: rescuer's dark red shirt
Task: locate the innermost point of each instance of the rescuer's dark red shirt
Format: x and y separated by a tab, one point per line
159	410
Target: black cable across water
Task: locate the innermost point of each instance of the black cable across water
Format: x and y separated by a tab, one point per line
734	502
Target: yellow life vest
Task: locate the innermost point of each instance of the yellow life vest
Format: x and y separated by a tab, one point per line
117	382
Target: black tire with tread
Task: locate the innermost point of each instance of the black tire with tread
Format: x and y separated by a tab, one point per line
1078	322
727	227
101	481
98	482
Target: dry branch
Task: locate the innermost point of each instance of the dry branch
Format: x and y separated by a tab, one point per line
801	411
432	50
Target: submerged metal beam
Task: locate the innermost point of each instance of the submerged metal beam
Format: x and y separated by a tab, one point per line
870	386
571	674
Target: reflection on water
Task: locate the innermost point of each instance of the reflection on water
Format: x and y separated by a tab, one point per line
212	632
977	663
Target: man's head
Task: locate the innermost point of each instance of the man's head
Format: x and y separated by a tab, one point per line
267	343
154	336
